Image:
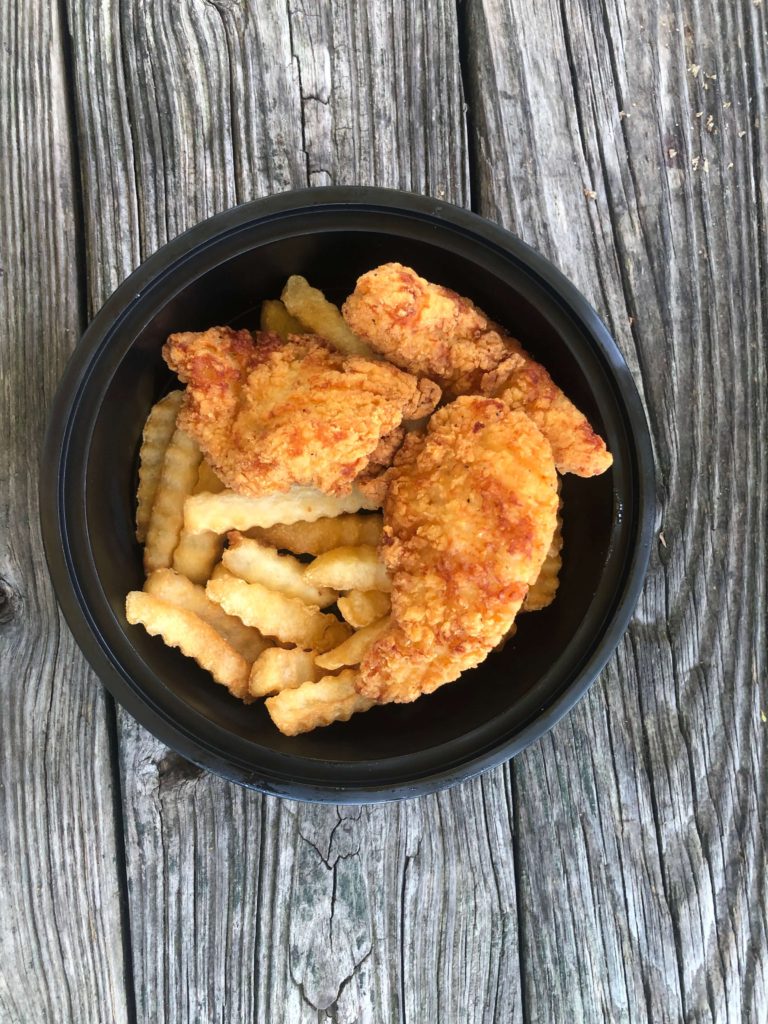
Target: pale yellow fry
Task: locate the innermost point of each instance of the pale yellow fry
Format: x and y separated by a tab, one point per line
158	431
221	572
352	650
273	614
331	699
350	568
197	553
362	607
258	563
311	307
207	481
177	590
282	668
229	511
179	476
193	637
323	534
542	593
276	318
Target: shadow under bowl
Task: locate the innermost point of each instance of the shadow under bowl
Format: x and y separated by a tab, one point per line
218	273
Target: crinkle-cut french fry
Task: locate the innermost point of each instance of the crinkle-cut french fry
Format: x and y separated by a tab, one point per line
276	319
323	534
207	481
171	587
362	607
542	593
229	511
197	553
281	668
255	562
273	614
221	572
320	316
179	475
506	638
350	568
352	650
193	637
311	705
156	435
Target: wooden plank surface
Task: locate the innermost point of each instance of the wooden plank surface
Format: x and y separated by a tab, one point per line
61	946
617	870
627	144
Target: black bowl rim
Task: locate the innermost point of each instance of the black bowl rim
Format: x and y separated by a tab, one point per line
105	324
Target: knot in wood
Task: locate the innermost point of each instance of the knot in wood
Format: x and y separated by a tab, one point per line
9	601
174	770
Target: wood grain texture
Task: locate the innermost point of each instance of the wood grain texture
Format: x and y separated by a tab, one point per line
61	946
244	908
617	870
628	145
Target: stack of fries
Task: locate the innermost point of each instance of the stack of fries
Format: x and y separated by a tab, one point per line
223	581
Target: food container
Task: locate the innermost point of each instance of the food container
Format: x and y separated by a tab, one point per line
218	273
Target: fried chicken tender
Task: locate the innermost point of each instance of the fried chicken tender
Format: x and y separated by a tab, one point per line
468	518
269	413
430	330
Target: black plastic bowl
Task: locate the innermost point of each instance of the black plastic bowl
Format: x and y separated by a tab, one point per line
218	273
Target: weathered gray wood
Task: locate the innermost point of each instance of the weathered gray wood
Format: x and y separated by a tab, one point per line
244	908
635	829
643	885
61	948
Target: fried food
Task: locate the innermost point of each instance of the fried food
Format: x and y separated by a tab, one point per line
276	319
362	607
229	511
319	316
433	331
424	327
469	516
177	590
288	619
331	699
255	562
322	535
193	637
280	668
285	440
207	481
350	568
197	553
177	480
522	383
352	650
156	436
270	413
543	591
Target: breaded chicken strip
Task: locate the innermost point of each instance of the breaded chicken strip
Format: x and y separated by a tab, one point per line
469	516
430	330
270	413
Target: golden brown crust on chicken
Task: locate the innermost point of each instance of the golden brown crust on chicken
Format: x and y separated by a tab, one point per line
269	413
469	515
424	328
431	330
522	383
